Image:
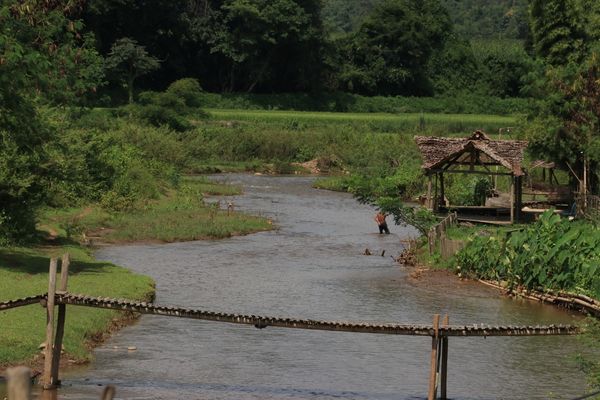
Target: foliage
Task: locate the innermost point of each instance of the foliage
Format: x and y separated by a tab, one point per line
489	19
390	51
42	56
419	217
503	67
553	253
558	31
127	61
188	89
567	126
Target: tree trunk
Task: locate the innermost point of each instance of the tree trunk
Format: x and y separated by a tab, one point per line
130	89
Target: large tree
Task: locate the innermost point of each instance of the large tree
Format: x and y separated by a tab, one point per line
558	30
42	56
390	52
269	45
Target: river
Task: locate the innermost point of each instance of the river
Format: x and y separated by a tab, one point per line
313	267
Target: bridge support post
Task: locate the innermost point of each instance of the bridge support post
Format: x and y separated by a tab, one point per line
49	350
444	363
434	359
60	323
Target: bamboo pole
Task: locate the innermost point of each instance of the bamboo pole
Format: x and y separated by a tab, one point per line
62	314
444	366
19	383
49	350
434	356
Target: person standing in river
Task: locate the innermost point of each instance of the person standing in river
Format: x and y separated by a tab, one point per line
380	219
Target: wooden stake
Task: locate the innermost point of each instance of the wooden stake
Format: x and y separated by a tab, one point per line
108	393
19	383
434	349
62	314
444	366
49	351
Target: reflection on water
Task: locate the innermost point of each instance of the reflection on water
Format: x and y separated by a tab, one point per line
313	267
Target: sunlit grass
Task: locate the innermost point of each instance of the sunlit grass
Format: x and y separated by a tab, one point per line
24	272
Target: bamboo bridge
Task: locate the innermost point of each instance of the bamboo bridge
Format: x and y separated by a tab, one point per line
438	332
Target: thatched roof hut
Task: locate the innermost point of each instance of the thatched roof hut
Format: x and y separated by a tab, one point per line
439	153
472	155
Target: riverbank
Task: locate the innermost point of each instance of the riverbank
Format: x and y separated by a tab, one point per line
24	272
179	215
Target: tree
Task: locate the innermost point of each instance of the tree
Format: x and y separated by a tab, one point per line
43	56
558	31
272	45
128	61
390	52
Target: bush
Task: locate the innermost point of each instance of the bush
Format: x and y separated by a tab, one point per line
550	254
187	89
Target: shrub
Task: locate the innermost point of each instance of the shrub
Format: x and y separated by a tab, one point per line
187	89
553	253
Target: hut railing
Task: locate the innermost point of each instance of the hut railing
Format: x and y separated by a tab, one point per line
437	237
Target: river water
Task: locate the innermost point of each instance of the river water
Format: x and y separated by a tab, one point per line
313	267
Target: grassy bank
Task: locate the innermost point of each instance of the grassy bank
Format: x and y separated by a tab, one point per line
178	215
24	272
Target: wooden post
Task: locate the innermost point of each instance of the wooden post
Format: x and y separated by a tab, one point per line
444	366
49	351
442	201
434	356
108	393
19	383
429	199
512	200
60	324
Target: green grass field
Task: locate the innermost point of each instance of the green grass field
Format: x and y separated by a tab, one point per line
331	117
406	122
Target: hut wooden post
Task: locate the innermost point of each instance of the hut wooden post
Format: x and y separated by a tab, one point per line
442	201
434	359
444	363
429	199
49	350
512	200
518	197
62	314
19	383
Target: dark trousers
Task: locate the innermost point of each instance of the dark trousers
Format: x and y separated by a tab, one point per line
384	228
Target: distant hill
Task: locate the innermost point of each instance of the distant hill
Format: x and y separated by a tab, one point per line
476	19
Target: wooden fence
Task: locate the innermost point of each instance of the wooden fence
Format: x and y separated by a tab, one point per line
588	206
437	238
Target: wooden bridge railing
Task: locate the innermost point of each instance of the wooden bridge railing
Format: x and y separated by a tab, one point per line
438	333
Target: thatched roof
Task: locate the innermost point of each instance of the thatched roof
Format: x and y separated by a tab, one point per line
476	150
